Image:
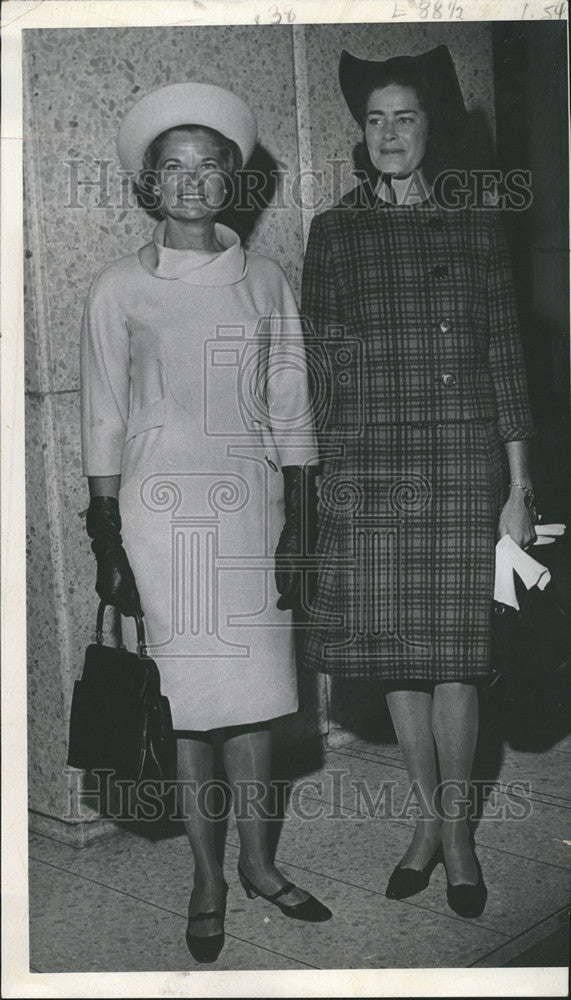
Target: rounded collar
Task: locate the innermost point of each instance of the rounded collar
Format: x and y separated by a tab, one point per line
196	267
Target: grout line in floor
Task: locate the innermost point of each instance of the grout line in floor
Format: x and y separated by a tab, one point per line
284	861
523	857
506	942
550	919
377	892
372	758
360	745
383	750
547	798
358	818
507	938
103	885
272	951
359	741
175	913
537	795
488	847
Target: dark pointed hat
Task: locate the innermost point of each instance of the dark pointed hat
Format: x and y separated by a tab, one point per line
434	71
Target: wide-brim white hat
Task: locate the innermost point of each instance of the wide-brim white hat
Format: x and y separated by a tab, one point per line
185	104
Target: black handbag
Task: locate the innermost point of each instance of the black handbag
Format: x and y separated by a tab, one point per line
531	660
120	721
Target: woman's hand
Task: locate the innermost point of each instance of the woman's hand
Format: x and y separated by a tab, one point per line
517	520
298	535
519	515
115	584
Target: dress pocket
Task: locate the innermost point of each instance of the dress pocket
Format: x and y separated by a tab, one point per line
271	453
144	431
145	419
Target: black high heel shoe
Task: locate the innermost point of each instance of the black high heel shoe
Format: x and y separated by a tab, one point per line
467	899
206	949
310	909
405	882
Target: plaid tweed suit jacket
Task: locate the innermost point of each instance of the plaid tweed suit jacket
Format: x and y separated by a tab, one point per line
426	295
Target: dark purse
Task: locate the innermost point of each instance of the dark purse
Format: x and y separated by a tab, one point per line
531	660
120	721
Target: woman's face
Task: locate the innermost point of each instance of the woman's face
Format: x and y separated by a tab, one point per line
190	176
396	129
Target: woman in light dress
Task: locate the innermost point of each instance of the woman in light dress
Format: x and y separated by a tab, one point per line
198	447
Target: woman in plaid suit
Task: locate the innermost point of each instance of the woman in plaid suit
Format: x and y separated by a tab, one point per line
413	310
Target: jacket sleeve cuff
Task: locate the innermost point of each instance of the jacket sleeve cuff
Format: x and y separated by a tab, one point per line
520	432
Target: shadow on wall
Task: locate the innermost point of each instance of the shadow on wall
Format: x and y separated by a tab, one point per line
259	184
478	149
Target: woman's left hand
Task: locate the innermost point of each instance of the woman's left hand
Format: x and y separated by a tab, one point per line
517	520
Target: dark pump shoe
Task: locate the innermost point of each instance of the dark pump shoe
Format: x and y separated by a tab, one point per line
206	949
311	909
405	882
465	899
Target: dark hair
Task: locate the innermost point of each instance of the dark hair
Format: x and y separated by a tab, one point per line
442	145
401	76
228	150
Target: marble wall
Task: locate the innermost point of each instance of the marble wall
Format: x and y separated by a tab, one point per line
79	215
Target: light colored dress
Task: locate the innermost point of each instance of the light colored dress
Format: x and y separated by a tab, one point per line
195	390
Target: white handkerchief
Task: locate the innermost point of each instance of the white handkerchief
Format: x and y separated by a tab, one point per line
509	559
547	533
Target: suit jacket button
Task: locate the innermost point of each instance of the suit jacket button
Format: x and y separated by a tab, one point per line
445	325
440	271
448	378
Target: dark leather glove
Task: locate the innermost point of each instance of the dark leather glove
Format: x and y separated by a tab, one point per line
115	584
298	534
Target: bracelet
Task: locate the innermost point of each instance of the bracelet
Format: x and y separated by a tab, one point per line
528	496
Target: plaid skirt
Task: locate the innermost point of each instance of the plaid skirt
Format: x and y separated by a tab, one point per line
408	516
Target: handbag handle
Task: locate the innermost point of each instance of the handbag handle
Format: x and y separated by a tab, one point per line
141	640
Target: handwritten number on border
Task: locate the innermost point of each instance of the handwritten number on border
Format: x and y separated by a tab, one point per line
435	10
276	15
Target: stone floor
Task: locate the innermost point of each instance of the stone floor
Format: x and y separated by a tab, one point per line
120	904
